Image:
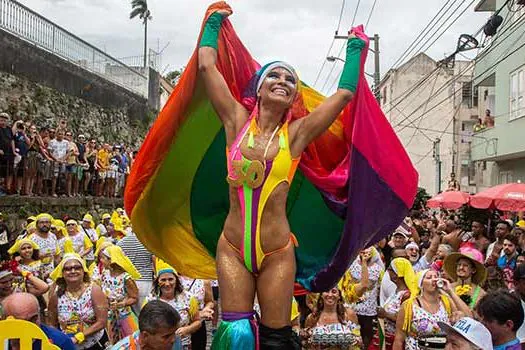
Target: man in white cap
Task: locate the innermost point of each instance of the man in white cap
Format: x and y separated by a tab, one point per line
467	334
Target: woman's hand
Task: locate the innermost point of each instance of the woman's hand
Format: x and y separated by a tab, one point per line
182	332
446	289
206	314
225	12
381	313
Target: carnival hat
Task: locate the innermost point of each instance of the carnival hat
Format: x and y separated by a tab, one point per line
472	254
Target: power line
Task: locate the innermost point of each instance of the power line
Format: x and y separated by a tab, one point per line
450	24
455	78
355	12
333	41
406	93
370	15
420	34
458	76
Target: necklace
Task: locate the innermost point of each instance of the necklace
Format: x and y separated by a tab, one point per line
76	294
253	174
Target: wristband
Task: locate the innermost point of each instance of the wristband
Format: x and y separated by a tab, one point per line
80	337
350	75
210	34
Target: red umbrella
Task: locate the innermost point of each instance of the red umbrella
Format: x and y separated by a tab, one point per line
506	197
449	200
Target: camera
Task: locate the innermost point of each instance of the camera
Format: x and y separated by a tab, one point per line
440	283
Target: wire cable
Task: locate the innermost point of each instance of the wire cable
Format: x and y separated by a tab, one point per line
332	44
420	34
370	14
355	12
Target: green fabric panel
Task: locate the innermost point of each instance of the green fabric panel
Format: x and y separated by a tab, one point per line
210	194
170	191
317	229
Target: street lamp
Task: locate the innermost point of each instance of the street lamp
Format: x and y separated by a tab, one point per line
335	58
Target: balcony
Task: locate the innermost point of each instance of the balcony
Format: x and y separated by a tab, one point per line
504	141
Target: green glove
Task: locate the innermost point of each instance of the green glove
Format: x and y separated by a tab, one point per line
210	34
350	75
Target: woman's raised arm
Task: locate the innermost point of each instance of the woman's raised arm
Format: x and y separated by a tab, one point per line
221	98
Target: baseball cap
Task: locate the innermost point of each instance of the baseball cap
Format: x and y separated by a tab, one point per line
472	330
4	115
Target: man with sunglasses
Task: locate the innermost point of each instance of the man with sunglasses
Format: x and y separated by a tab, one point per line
24	306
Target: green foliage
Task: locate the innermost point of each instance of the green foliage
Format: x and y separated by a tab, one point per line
422	197
140	8
173	76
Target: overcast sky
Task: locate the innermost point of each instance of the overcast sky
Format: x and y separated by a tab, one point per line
299	32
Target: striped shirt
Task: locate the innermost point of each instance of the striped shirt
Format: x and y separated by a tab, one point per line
139	256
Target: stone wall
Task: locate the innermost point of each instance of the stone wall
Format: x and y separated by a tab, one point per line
17	209
43	106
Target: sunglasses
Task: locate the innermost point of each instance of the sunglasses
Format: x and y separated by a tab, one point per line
73	268
71	225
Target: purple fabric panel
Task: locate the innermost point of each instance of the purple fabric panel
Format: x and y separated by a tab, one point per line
236	316
373	212
256	197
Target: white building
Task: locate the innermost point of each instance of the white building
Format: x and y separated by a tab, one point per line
430	108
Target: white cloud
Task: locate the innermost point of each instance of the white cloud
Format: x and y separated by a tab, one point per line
296	31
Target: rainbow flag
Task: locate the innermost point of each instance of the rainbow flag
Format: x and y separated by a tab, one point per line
354	185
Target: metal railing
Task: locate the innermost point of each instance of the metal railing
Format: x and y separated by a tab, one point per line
28	25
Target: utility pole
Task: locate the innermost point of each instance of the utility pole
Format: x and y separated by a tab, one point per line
377	73
437	159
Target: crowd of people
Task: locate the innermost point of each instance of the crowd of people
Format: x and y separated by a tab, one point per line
48	161
428	285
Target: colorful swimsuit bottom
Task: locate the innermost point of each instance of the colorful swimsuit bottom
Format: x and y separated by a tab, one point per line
255	181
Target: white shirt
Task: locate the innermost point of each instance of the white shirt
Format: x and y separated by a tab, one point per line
387	289
58	149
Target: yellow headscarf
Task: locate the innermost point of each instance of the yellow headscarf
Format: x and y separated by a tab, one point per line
409	304
89	218
403	268
68	256
117	256
162	267
60	226
101	244
18	245
44	216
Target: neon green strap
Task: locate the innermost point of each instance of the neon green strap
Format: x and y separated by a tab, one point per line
350	75
210	34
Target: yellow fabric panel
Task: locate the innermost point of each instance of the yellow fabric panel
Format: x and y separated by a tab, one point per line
312	99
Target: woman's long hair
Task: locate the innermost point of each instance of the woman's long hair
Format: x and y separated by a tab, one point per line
155	290
340	308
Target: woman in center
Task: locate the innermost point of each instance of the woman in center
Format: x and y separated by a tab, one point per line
255	253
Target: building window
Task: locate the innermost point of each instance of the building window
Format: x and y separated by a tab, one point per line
384	96
505	177
517	93
466	94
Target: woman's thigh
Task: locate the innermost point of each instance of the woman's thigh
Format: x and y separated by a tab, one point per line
236	283
275	288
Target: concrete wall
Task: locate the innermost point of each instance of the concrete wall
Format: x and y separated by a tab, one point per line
21	58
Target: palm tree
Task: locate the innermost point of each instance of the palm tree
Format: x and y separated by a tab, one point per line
140	8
